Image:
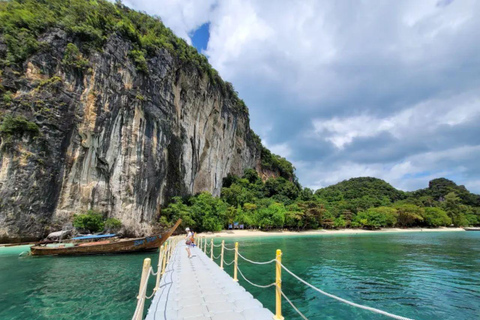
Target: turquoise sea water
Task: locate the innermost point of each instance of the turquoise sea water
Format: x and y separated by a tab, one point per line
421	275
433	275
89	287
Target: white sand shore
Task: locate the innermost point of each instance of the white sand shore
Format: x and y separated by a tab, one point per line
258	233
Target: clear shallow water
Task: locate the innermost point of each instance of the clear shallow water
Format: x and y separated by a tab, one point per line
89	287
432	275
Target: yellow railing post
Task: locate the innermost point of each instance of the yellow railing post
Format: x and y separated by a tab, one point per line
141	291
168	251
205	246
278	290
221	254
211	249
201	242
159	267
164	262
236	263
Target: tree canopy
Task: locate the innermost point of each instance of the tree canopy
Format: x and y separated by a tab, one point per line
356	203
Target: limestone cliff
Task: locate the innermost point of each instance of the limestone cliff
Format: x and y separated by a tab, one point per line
110	135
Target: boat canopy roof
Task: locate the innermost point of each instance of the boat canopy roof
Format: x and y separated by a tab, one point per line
97	236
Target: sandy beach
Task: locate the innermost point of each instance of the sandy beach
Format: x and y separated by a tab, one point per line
258	233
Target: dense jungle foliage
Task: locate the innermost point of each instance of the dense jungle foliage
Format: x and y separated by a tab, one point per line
367	203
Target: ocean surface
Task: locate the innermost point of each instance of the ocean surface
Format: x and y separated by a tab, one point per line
420	275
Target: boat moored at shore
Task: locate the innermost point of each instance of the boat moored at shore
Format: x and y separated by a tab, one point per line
150	243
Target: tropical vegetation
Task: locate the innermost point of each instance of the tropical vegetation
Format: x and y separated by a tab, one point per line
95	221
370	203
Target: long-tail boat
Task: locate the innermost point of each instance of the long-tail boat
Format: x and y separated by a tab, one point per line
105	246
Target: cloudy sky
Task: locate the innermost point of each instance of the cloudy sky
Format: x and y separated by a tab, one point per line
343	89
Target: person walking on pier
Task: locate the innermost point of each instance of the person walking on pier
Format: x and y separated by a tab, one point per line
188	241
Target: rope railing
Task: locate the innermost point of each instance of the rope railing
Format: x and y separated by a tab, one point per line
343	300
228	264
150	296
141	294
278	281
256	262
293	306
165	254
254	284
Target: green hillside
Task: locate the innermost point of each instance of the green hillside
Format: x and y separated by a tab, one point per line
357	188
439	188
356	203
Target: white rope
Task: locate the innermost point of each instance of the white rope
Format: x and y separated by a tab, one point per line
217	245
142	294
343	300
153	273
216	257
151	296
226	248
255	262
293	306
254	284
228	263
137	309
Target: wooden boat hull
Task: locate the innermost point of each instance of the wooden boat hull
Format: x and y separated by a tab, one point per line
122	246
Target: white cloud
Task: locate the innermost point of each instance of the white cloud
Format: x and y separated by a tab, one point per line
424	117
411	173
342	131
281	149
311	49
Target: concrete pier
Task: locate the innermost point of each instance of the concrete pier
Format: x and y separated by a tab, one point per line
197	288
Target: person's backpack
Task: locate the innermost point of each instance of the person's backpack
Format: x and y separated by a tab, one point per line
188	241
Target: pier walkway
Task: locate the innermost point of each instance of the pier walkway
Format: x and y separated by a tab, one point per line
197	288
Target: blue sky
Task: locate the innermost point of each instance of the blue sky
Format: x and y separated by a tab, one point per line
200	37
343	89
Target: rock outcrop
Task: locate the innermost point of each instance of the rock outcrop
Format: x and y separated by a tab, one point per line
112	137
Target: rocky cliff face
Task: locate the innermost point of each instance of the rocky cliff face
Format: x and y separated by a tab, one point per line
112	137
